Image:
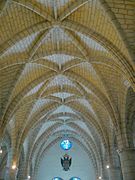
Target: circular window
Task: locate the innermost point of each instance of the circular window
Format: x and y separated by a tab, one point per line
75	178
57	178
66	144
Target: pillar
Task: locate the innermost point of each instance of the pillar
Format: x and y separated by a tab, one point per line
13	174
10	173
114	173
105	178
8	166
127	159
104	175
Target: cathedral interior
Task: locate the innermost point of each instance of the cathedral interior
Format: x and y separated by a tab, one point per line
67	75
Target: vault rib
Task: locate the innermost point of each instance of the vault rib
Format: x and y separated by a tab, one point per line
29	5
72	8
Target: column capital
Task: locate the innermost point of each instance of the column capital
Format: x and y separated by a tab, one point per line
127	159
114	168
125	149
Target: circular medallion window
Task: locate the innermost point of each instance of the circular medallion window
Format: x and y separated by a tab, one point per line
66	144
57	178
75	178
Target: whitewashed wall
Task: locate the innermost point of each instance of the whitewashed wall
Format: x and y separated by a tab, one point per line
50	165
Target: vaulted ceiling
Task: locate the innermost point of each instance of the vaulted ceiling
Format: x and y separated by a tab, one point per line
66	67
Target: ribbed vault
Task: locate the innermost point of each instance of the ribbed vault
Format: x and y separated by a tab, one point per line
66	67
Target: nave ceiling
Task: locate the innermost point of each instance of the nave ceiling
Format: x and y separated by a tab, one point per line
66	67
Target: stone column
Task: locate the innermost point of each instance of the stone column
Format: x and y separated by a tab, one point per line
105	178
114	173
10	173
8	166
7	173
13	174
127	159
105	175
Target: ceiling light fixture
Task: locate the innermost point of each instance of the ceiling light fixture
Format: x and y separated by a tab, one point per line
14	167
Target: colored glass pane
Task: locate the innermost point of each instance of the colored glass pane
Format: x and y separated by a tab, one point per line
57	178
66	144
75	178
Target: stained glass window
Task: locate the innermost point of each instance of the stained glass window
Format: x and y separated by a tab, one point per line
75	178
66	144
57	178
